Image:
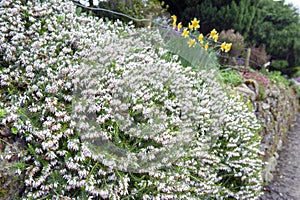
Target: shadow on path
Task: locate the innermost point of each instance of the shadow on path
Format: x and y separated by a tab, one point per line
286	183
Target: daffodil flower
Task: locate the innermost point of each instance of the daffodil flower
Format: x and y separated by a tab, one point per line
174	17
202	43
191	26
195	24
213	33
223	45
200	37
185	32
174	25
228	47
179	26
216	37
206	46
191	42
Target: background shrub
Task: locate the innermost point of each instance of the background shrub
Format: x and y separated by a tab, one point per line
137	9
237	40
258	57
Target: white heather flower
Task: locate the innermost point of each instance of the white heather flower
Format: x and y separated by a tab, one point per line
84	2
95	2
73	144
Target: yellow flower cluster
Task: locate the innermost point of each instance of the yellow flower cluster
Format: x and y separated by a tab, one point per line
193	26
226	46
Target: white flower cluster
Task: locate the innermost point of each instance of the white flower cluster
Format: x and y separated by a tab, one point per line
87	3
140	125
147	100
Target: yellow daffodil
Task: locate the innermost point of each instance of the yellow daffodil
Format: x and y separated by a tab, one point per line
185	32
213	33
190	26
223	45
202	43
191	42
206	46
174	25
195	24
174	17
200	37
228	47
216	37
179	26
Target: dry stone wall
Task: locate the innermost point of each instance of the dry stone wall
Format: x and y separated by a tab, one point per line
276	107
11	183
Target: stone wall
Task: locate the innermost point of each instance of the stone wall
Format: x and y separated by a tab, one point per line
276	106
11	182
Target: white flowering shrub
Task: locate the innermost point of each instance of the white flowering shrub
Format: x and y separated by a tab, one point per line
107	113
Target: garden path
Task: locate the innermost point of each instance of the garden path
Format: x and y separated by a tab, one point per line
286	183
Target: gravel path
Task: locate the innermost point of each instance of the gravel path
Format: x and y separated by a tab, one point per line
286	183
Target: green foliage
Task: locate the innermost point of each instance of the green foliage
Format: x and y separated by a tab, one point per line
196	57
21	165
279	64
14	130
231	77
2	113
296	86
296	72
262	93
78	11
297	50
138	9
238	15
276	77
277	26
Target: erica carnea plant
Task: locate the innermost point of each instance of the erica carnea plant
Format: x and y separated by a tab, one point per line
106	116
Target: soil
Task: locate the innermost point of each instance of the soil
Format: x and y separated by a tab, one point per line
286	182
